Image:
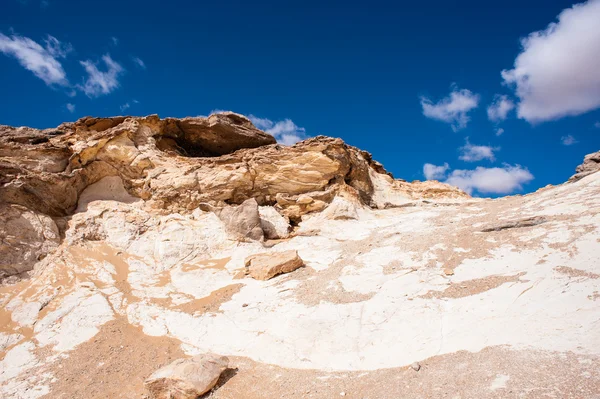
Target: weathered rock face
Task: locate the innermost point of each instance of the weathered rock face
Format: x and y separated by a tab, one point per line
179	164
221	163
47	170
187	378
591	164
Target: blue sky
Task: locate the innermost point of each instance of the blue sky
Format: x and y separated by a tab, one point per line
410	83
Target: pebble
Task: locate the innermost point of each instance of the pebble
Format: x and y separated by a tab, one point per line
416	366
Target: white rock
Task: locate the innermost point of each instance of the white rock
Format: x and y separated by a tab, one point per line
274	224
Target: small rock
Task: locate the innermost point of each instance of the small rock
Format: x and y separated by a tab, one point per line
186	378
342	393
415	366
268	265
448	272
245	305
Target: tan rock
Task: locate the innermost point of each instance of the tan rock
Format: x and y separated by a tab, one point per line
268	265
186	378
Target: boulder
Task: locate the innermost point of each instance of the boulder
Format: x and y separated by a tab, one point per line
25	238
243	220
268	265
186	378
273	224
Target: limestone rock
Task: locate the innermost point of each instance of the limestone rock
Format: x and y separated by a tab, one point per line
268	265
342	208
177	166
186	378
25	238
273	224
591	164
515	224
243	220
109	188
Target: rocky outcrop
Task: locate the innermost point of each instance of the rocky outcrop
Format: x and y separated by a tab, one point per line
268	265
186	378
221	163
178	164
591	164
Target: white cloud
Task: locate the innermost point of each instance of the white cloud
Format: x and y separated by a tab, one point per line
499	131
285	132
500	107
568	140
453	109
99	82
505	180
115	40
42	61
124	107
434	172
557	73
473	153
138	61
70	107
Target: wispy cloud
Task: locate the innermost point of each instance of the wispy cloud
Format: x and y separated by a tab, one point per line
434	172
70	107
499	131
138	62
500	107
42	61
452	109
557	72
473	153
115	40
568	140
101	82
124	107
285	131
504	180
597	125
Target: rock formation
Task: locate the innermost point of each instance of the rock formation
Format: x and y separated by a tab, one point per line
268	265
125	243
181	165
187	378
591	164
